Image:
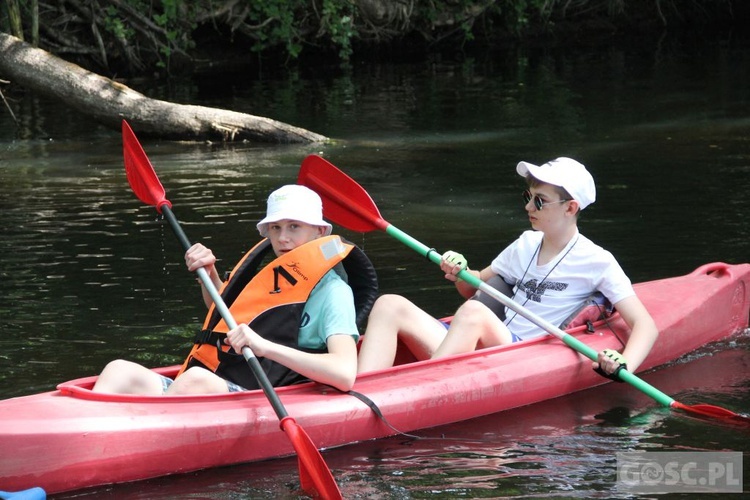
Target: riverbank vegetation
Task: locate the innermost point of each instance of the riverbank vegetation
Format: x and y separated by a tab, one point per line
170	37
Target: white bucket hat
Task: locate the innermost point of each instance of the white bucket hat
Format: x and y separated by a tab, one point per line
566	173
294	202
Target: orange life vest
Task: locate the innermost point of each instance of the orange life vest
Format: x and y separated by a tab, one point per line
271	302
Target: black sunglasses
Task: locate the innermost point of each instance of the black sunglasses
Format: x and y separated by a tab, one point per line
538	202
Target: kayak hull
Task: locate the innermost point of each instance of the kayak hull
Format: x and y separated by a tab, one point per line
72	438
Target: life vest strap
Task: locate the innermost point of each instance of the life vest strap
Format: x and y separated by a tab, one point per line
209	337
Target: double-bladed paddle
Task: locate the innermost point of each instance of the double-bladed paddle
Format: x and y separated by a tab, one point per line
315	476
347	203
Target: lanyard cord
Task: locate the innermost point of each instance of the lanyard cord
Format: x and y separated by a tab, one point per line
520	282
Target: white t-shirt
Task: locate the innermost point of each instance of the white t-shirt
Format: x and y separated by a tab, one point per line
555	290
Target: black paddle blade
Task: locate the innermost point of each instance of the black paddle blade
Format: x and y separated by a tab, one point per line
344	201
141	175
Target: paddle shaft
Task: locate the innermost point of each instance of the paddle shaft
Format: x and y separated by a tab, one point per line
569	340
226	315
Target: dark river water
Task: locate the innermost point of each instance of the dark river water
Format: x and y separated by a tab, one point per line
88	273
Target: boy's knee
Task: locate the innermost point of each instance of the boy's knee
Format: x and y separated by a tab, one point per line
197	380
391	303
472	309
117	365
386	300
473	315
194	374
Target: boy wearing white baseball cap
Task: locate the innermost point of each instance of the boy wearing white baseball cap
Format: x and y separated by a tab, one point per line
550	270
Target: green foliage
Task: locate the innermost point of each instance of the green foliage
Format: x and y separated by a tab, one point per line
114	24
290	23
338	20
273	23
143	33
177	22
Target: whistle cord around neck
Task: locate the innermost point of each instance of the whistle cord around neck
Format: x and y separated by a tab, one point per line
520	282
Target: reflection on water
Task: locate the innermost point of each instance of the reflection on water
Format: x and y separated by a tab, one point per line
89	273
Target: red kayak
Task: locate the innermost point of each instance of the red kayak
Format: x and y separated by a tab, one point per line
71	438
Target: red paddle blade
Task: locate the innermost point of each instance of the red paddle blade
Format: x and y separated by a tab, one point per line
344	201
315	476
141	175
713	412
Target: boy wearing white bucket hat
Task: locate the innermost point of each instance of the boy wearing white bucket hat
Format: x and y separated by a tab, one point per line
294	202
550	270
317	335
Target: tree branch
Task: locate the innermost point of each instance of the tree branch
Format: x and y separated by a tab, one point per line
109	102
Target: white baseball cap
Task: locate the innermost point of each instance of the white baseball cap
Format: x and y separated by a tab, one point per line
566	173
294	202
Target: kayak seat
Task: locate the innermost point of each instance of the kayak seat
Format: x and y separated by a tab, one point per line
360	274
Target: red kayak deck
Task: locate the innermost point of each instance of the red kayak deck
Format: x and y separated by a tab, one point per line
73	438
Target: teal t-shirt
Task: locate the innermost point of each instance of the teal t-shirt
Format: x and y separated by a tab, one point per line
329	311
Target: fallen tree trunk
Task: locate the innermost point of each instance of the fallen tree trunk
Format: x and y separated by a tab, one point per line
109	102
